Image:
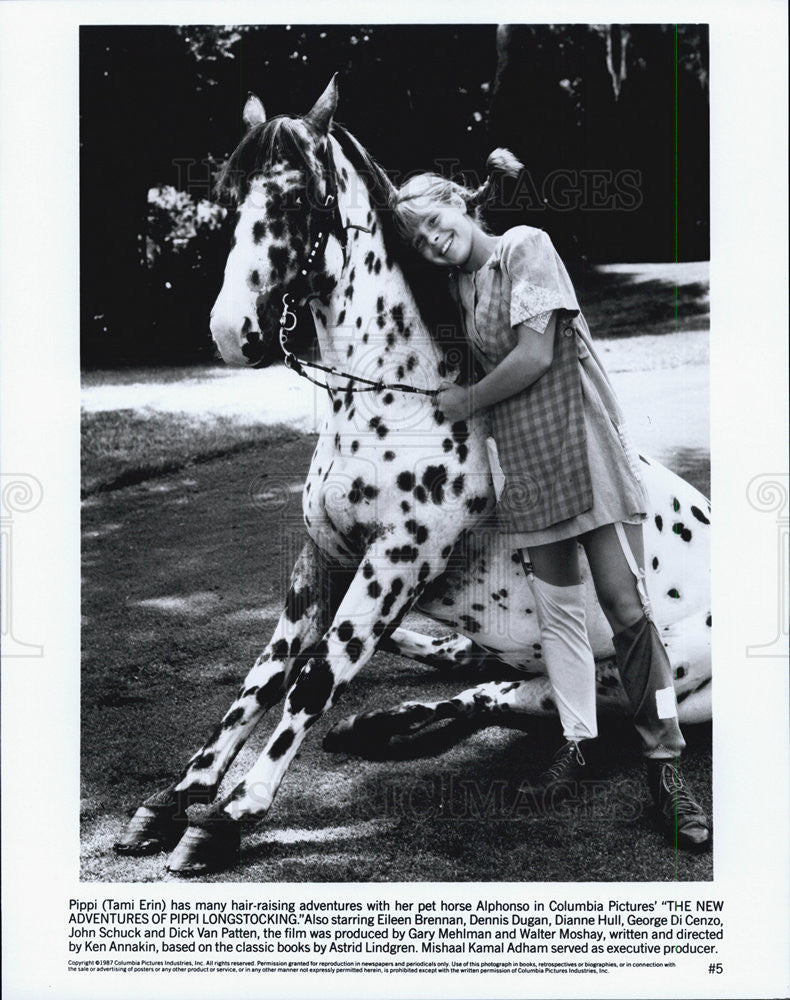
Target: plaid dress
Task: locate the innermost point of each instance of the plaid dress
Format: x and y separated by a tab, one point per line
561	442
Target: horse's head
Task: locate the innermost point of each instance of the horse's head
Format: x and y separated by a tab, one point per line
282	180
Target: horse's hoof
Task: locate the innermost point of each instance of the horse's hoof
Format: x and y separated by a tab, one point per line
151	829
211	847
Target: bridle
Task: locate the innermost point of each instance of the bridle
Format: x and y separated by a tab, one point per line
331	221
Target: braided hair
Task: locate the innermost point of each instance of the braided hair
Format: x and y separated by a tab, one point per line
414	200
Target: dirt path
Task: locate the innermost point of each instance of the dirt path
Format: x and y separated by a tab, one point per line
184	578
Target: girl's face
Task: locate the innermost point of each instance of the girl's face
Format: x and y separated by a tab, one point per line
445	234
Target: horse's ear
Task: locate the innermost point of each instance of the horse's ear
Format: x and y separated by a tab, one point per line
253	113
320	115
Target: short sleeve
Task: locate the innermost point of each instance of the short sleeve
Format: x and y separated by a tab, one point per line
539	281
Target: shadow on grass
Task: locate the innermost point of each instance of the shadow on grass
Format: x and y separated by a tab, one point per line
617	306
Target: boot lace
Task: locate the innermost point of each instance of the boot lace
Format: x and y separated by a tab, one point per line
682	799
564	756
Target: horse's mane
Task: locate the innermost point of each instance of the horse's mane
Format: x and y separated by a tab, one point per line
277	139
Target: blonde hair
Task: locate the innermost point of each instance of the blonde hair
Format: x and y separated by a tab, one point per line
415	199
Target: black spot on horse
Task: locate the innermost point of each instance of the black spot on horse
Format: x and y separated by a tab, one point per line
447	445
547	703
354	649
341	316
232	718
420	494
405	506
424	573
405	481
386	604
680	672
255	279
403	553
675	504
462	452
389	456
387	398
367	571
344	631
475	505
354	447
659	522
699	515
369	261
709	621
478	607
471	624
269	692
460	431
258	230
673	593
397	314
375	424
281	744
296	645
374	588
336	405
458	485
434	479
312	689
280	648
204	761
655	562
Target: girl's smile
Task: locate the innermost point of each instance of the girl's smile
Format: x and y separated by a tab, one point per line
447	236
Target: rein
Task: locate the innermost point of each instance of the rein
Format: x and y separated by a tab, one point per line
298	365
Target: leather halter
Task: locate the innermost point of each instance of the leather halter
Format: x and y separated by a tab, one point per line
331	222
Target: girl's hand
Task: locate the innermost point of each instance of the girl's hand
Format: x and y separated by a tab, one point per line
455	402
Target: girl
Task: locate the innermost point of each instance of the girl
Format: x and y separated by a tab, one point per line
570	473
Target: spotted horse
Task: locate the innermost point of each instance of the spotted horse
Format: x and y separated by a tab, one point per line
399	504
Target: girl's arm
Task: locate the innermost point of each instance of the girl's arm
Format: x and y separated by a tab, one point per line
530	358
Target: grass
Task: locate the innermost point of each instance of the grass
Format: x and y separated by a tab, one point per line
165	374
184	579
123	447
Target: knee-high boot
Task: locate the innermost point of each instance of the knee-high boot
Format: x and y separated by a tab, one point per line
646	675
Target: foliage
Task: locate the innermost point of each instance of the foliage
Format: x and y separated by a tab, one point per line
160	108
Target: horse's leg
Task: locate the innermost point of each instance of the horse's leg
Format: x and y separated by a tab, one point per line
496	703
161	819
443	652
372	607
